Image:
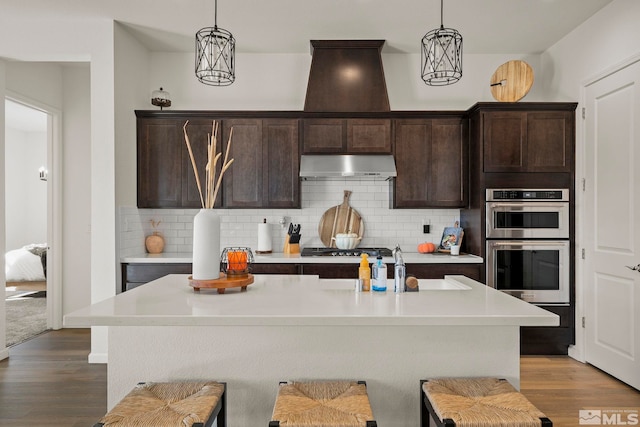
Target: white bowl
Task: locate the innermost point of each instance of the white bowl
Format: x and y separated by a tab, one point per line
346	240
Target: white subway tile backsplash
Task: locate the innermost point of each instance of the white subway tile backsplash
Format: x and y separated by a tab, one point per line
239	227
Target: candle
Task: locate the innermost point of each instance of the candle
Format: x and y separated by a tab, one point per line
237	261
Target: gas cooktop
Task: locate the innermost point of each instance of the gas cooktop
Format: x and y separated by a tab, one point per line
372	252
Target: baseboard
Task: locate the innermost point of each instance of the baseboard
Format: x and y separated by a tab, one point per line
4	353
98	358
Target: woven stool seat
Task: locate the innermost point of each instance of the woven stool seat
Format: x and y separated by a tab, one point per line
477	402
180	404
322	404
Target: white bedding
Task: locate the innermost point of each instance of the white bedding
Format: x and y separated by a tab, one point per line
23	266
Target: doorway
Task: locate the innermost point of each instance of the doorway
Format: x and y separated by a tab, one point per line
28	137
610	228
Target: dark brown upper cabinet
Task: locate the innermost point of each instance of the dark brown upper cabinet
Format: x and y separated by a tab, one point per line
264	173
431	161
528	141
265	170
165	174
159	164
346	136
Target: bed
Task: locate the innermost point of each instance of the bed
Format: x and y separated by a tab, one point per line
26	264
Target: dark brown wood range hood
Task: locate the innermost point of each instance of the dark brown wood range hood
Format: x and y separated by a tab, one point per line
346	76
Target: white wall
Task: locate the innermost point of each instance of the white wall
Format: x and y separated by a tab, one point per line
279	82
76	176
28	37
65	88
25	193
132	92
607	39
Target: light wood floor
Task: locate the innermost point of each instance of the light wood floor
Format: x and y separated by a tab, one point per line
47	382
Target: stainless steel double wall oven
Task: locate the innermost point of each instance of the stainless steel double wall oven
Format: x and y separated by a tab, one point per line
528	247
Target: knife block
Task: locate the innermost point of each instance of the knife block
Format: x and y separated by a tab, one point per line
291	248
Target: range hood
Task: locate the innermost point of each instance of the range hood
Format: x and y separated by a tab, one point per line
346	76
366	166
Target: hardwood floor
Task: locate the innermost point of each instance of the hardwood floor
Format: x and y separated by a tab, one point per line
560	386
48	382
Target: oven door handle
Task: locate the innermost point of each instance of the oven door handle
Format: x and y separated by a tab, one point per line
528	243
531	204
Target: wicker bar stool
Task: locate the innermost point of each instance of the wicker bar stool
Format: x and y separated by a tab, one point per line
179	404
322	403
475	402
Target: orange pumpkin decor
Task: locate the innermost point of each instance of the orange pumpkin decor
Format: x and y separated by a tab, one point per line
426	248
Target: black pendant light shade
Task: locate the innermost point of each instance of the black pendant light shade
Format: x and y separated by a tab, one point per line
441	56
215	55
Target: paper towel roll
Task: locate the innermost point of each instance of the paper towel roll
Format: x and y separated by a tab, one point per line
264	238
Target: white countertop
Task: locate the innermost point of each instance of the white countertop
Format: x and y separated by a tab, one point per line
280	258
308	301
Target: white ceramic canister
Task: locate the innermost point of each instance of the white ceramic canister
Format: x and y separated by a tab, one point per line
206	245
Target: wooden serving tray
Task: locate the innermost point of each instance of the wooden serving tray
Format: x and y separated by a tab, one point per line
223	283
340	219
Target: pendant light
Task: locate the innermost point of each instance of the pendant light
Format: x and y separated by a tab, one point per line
215	55
441	55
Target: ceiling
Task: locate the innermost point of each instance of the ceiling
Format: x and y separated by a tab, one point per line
286	26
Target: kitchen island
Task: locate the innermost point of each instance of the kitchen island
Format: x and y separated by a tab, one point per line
302	327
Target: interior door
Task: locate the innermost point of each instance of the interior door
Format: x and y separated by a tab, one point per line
612	231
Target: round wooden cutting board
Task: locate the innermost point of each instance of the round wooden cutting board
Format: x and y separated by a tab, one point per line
340	219
511	81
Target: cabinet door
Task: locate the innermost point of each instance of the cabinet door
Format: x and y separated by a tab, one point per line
243	180
159	164
505	141
324	136
431	163
413	161
448	163
369	136
550	141
281	163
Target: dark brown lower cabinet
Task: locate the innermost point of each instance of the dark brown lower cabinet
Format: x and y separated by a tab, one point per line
549	340
275	268
136	274
421	271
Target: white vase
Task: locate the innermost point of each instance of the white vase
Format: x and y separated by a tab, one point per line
206	245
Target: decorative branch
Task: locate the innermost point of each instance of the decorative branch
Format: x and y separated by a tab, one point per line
193	161
211	191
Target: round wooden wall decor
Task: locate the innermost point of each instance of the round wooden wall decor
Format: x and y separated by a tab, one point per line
511	81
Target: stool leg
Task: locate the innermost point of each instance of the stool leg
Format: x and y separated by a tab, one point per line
221	419
546	422
424	414
274	423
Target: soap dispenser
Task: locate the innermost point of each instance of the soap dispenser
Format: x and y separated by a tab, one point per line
379	282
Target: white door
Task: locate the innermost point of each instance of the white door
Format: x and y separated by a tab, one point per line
612	224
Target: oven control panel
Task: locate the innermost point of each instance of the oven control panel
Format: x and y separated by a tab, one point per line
524	194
